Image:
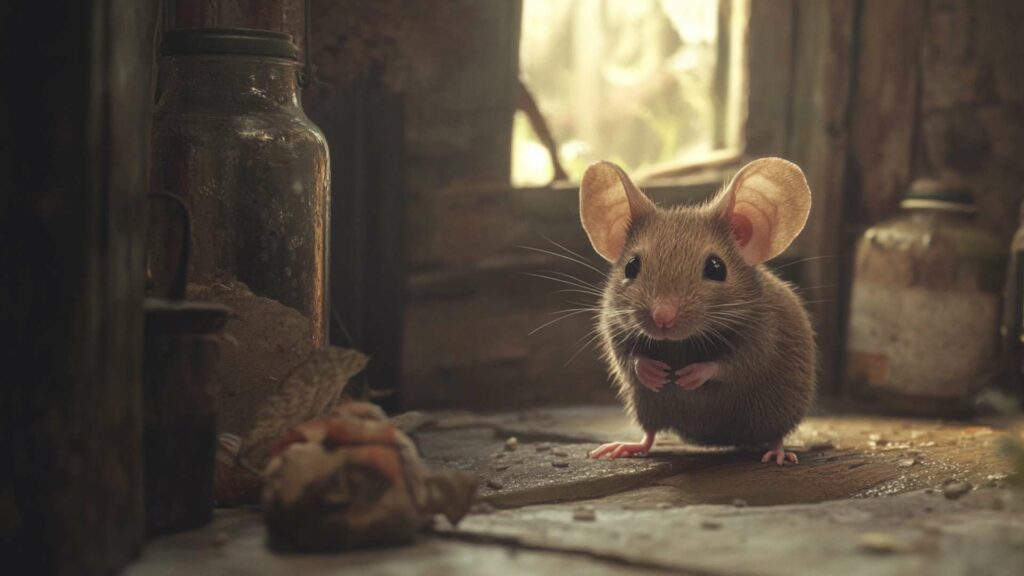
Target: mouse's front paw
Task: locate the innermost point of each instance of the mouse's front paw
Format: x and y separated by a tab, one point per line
695	375
652	373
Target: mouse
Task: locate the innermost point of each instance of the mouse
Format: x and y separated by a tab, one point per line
700	336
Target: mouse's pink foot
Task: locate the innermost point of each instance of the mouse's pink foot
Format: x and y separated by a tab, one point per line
652	373
617	449
695	375
780	455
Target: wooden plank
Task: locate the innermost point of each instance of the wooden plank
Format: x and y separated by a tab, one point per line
885	102
817	140
770	57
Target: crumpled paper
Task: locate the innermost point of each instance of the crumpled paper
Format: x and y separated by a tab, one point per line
309	391
353	480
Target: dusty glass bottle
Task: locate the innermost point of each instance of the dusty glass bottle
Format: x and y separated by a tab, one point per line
230	137
925	304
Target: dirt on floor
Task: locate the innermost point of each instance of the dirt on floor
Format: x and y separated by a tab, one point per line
871	495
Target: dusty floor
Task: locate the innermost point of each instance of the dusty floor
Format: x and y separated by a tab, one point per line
871	495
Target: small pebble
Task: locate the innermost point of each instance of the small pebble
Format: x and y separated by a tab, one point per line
880	543
511	444
739	503
954	490
584	514
482	508
663	505
559	453
542	447
906	462
710	524
560	464
501	467
494	484
995	480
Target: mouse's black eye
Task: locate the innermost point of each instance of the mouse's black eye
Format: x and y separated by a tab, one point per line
714	269
632	267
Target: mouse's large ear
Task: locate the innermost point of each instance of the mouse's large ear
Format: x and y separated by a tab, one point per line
609	202
766	205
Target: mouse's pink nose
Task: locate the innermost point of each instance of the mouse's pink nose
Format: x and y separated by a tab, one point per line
664	315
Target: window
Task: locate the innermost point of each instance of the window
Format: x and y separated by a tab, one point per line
649	84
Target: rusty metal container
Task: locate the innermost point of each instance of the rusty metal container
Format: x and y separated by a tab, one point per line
182	341
925	304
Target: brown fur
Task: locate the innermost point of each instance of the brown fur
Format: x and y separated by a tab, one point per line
753	325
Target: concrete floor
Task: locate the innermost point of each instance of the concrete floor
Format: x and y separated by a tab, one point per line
871	495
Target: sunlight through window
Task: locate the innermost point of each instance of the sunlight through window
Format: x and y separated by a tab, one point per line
644	83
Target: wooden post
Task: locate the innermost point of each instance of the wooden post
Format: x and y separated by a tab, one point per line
74	177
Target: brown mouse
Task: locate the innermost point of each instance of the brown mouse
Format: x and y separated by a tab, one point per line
701	338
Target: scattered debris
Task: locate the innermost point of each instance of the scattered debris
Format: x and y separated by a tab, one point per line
560	464
710	524
952	489
511	444
233	482
309	392
494	484
482	508
584	514
881	543
996	480
352	480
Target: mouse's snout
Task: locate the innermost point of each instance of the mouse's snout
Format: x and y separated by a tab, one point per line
664	314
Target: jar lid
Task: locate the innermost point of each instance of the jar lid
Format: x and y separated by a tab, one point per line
241	41
939	195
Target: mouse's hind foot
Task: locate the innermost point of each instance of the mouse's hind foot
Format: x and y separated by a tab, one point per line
779	454
618	449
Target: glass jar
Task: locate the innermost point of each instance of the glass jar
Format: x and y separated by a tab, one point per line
925	304
230	137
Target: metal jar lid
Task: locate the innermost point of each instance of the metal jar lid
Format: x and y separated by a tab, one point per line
933	194
239	41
